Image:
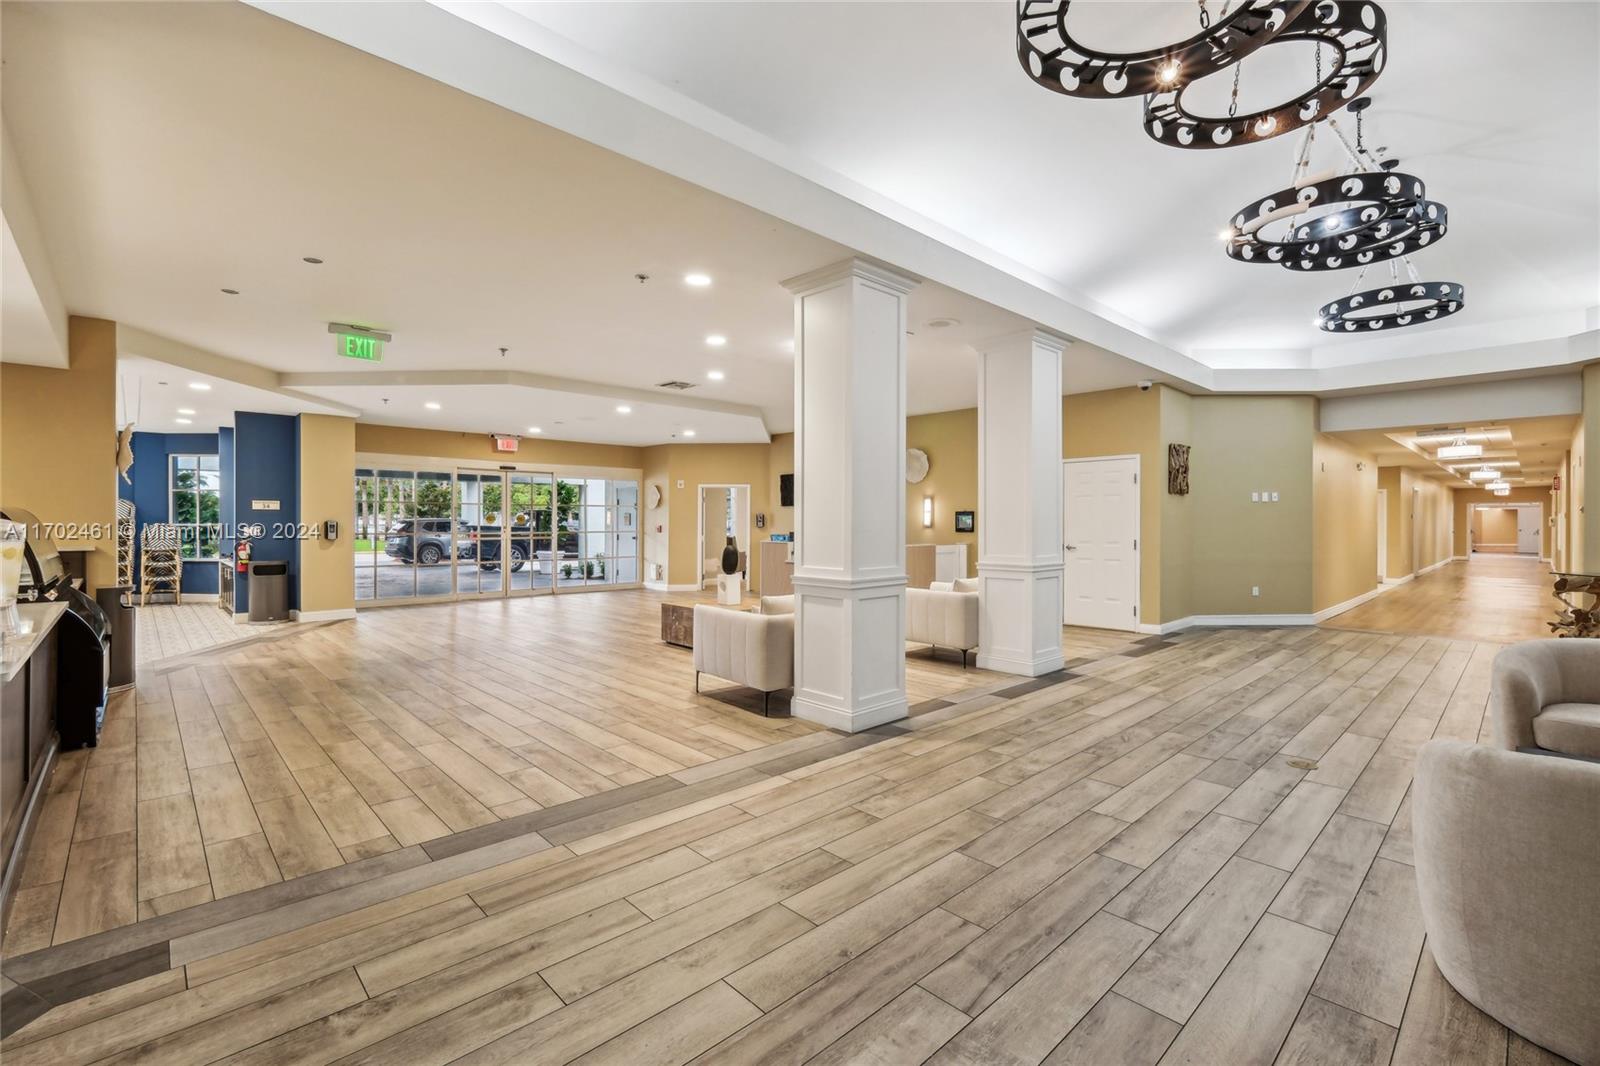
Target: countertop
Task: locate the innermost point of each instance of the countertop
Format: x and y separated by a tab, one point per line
42	617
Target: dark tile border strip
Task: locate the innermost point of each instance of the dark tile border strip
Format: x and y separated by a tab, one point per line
174	663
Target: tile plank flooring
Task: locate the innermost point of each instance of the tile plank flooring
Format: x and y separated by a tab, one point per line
1120	865
312	746
1500	598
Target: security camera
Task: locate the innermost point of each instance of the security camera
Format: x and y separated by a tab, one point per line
1144	386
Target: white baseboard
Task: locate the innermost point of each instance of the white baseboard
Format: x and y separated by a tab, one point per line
1230	620
1392	582
1446	561
335	615
1353	602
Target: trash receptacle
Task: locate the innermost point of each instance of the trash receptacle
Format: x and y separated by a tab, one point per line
268	591
117	603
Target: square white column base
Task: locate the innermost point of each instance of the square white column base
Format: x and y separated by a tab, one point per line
1019	618
850	652
730	589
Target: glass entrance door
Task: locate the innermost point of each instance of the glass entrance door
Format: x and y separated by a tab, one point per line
531	513
480	533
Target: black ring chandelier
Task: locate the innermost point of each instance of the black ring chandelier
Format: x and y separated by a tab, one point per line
1389	217
1402	304
1358	34
1056	60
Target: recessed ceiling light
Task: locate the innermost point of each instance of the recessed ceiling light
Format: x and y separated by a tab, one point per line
688	433
624	409
698	281
186	410
715	375
199	386
313	260
431	405
943	323
716	340
535	429
231	292
184	421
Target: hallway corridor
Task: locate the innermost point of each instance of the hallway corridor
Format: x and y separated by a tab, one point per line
1491	598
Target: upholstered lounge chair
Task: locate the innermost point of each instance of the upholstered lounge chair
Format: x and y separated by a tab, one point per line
744	647
1545	696
1507	849
943	618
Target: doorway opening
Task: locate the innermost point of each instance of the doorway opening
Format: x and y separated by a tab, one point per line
1505	529
724	513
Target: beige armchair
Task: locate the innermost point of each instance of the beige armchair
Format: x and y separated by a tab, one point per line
744	647
1545	694
1507	849
943	619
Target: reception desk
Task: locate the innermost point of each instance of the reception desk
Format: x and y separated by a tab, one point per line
27	730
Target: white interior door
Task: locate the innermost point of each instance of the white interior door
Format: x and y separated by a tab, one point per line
1528	521
1101	524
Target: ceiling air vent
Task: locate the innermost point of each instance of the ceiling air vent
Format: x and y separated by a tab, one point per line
678	385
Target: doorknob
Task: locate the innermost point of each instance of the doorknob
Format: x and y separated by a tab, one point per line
1070	547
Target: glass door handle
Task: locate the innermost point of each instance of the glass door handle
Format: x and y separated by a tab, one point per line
1070	547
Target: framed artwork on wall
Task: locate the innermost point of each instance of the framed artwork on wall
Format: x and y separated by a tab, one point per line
966	521
1178	469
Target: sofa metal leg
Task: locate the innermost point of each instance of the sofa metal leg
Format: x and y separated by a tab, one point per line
697	682
963	658
766	698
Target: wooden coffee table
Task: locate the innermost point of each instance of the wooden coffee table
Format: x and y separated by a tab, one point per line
677	620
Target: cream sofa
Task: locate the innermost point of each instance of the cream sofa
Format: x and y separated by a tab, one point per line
744	647
1545	695
1507	849
943	617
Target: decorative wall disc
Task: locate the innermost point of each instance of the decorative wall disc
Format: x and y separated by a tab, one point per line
1056	60
1358	34
1388	217
916	465
1409	304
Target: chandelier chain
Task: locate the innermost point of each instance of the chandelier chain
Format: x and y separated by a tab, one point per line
1205	16
1233	102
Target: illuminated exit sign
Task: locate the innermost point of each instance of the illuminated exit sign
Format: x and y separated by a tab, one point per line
358	346
359	342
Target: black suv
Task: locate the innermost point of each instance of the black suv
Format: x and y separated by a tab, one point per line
486	548
420	540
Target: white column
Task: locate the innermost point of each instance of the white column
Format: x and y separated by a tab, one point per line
1019	503
850	492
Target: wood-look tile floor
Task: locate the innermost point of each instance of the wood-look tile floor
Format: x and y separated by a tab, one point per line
311	747
1491	597
1195	851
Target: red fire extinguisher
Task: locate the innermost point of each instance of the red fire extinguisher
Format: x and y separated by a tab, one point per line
242	556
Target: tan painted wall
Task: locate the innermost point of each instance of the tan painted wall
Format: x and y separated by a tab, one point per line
694	465
1244	444
951	440
479	448
1345	522
58	444
327	568
1431	524
1578	479
1126	422
1464	498
1175	533
656	521
1394	481
1494	527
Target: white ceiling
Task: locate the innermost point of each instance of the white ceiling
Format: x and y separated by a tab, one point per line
179	149
159	397
1526	451
1494	104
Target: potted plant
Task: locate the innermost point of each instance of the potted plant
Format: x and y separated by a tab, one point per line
566	571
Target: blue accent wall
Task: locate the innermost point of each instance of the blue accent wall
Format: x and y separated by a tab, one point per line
152	454
225	503
266	466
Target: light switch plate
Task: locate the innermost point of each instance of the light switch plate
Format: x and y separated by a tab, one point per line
1255	497
1274	497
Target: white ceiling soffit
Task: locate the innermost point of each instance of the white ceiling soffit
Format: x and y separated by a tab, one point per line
843	145
1454	405
160	397
33	320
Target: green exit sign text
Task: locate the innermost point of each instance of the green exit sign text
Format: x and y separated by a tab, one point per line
355	346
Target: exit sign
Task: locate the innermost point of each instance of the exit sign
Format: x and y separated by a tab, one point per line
356	346
504	443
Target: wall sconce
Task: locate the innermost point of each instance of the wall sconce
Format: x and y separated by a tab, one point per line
927	512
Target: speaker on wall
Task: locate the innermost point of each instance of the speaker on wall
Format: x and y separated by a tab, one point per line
786	490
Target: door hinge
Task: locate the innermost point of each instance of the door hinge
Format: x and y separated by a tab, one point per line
1135	477
1136	610
1135	543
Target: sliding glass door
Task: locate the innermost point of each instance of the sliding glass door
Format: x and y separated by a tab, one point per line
430	534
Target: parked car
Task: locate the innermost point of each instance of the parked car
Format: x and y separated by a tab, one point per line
421	540
483	544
